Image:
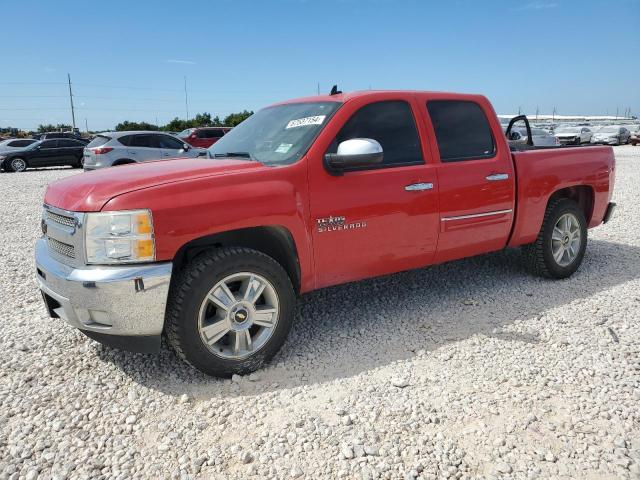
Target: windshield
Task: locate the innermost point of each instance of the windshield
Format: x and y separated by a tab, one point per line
277	135
568	130
538	132
186	132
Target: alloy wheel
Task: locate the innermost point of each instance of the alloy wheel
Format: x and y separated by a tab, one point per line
566	239
18	165
238	315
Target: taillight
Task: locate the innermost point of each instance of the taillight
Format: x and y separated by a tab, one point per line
101	150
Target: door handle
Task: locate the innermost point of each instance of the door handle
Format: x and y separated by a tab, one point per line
496	177
416	187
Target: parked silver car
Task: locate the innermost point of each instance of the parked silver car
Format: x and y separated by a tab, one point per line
540	137
573	135
15	144
611	135
119	148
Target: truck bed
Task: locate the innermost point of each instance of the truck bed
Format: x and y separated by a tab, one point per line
541	171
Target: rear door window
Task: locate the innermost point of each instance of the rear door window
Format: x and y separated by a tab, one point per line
144	141
210	133
65	143
462	130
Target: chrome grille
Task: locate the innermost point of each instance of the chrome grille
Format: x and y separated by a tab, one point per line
61	248
61	219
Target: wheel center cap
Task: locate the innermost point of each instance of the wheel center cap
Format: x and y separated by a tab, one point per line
565	240
240	315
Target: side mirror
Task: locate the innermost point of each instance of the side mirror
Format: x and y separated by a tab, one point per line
354	153
186	147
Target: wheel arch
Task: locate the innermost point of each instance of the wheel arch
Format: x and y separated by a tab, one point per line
122	161
583	195
275	241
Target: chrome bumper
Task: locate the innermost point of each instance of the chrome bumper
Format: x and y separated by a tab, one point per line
104	301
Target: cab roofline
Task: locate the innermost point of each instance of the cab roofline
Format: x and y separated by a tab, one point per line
345	97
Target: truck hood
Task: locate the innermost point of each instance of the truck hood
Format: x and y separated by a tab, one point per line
90	191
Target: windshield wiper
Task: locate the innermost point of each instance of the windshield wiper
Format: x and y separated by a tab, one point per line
233	154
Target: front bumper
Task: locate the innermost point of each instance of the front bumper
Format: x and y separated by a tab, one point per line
121	306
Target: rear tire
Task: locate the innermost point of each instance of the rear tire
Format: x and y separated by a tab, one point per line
213	321
559	249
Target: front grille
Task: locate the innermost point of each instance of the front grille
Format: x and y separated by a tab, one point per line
61	248
61	219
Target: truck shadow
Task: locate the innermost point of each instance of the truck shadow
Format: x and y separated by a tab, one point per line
350	329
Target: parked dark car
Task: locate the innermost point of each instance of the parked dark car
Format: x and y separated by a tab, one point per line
44	153
203	137
51	135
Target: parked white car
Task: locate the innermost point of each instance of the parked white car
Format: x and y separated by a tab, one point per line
15	144
119	148
611	135
573	135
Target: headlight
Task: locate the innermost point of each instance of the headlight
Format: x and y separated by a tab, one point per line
119	237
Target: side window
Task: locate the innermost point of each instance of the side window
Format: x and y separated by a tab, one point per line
213	133
140	141
49	144
462	130
68	143
391	123
126	141
165	141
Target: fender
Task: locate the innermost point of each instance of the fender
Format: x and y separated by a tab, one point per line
184	211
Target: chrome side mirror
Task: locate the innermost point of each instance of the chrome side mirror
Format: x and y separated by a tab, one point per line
352	154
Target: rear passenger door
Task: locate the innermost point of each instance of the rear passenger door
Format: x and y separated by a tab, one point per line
70	150
476	181
144	147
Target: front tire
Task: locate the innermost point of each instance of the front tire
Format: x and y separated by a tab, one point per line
230	311
17	165
559	249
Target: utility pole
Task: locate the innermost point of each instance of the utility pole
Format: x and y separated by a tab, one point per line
537	109
157	126
86	125
553	117
186	98
73	114
318	88
616	113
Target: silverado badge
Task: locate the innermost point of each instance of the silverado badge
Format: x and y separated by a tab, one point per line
332	224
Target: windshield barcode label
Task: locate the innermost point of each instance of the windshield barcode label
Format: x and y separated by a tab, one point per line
301	122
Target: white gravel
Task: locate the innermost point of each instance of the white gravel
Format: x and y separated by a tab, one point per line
472	369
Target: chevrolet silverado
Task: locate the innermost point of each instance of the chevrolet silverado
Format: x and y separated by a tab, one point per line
212	252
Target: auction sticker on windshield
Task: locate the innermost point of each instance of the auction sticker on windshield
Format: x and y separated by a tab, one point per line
284	147
301	122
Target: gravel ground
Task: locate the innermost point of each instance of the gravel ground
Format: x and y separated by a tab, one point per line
473	369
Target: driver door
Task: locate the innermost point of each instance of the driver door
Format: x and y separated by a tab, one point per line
374	220
46	155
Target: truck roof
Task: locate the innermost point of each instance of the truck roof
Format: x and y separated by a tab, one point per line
346	96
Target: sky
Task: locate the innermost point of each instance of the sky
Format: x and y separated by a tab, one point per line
128	59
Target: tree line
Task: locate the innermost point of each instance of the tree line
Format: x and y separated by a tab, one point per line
178	124
175	125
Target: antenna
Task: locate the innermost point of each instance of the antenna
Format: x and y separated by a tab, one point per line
334	90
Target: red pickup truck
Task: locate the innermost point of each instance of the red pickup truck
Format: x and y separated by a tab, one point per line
212	252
